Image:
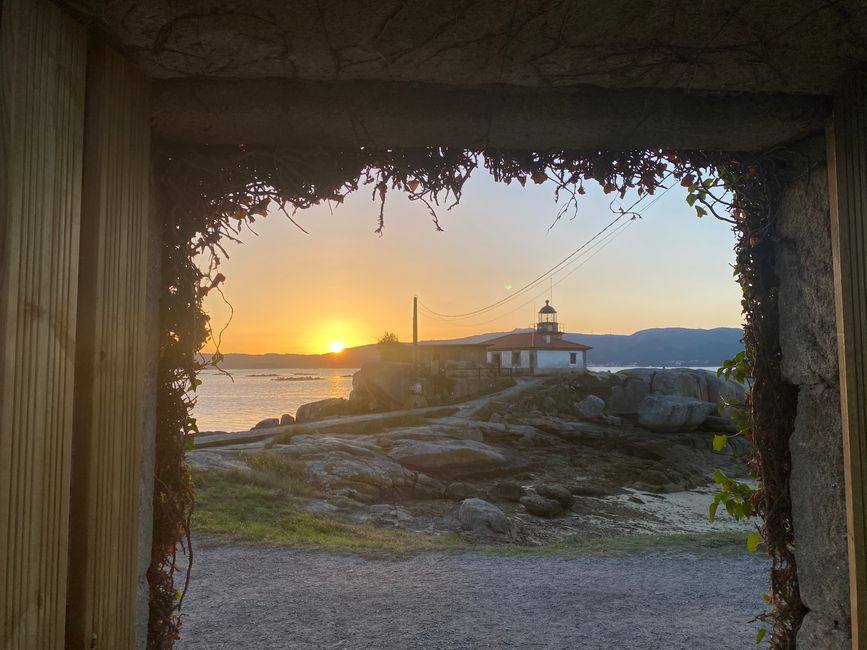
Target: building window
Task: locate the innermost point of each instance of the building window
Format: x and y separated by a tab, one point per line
573	358
516	359
495	359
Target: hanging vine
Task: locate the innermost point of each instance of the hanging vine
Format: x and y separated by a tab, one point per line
212	194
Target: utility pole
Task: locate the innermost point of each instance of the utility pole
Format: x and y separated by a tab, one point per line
415	332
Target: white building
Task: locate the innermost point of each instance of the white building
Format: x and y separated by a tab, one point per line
540	352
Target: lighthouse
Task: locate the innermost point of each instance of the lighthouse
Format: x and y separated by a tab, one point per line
547	323
541	351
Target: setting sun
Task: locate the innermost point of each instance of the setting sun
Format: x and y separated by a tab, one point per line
337	346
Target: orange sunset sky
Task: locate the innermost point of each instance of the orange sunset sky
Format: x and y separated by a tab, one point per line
344	284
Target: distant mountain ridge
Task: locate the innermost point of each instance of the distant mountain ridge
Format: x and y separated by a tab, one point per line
664	346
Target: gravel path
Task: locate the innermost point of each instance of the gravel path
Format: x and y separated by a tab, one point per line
271	598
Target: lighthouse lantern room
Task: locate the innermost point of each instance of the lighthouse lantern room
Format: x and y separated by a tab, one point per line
547	323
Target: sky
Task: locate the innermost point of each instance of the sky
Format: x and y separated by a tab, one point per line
342	284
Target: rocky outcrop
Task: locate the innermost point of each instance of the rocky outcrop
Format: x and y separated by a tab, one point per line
682	382
482	518
590	408
626	398
533	467
382	385
459	490
541	506
507	490
672	413
267	423
367	478
448	457
701	385
323	408
555	491
286	418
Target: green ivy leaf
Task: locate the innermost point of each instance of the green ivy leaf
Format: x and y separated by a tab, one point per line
753	541
760	635
719	442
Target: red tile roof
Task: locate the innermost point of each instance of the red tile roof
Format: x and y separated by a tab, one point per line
533	341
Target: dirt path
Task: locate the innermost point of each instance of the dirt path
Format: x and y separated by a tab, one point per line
270	598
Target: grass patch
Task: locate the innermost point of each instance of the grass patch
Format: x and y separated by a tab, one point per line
727	541
365	427
487	410
264	506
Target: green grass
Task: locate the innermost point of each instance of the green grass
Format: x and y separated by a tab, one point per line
709	542
264	506
485	411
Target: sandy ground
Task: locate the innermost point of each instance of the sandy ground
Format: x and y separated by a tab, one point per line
262	597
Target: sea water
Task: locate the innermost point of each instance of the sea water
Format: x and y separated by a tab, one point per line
238	401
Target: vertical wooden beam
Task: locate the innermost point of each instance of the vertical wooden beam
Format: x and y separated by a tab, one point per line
847	167
110	367
42	78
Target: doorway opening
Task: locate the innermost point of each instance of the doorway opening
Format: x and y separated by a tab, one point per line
534	497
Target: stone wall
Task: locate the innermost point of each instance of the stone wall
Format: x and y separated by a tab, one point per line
809	346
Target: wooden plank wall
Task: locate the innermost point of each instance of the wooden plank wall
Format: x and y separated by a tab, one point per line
847	158
109	380
43	77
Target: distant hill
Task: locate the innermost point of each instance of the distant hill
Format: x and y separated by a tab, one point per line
349	358
666	346
669	346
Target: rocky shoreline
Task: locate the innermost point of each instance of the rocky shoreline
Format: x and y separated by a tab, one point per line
589	455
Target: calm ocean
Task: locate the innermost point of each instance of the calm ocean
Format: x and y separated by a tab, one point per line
237	403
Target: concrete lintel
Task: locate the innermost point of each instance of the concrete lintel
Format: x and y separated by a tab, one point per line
278	112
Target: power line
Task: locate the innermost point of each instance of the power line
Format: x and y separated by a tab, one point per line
592	253
552	270
527	286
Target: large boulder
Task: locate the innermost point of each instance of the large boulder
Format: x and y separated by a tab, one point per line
370	477
626	398
458	491
482	518
323	408
640	374
448	457
286	418
507	490
673	413
541	506
680	382
727	394
697	384
555	491
383	385
267	423
590	408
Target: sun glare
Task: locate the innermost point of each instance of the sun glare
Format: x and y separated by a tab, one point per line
337	346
